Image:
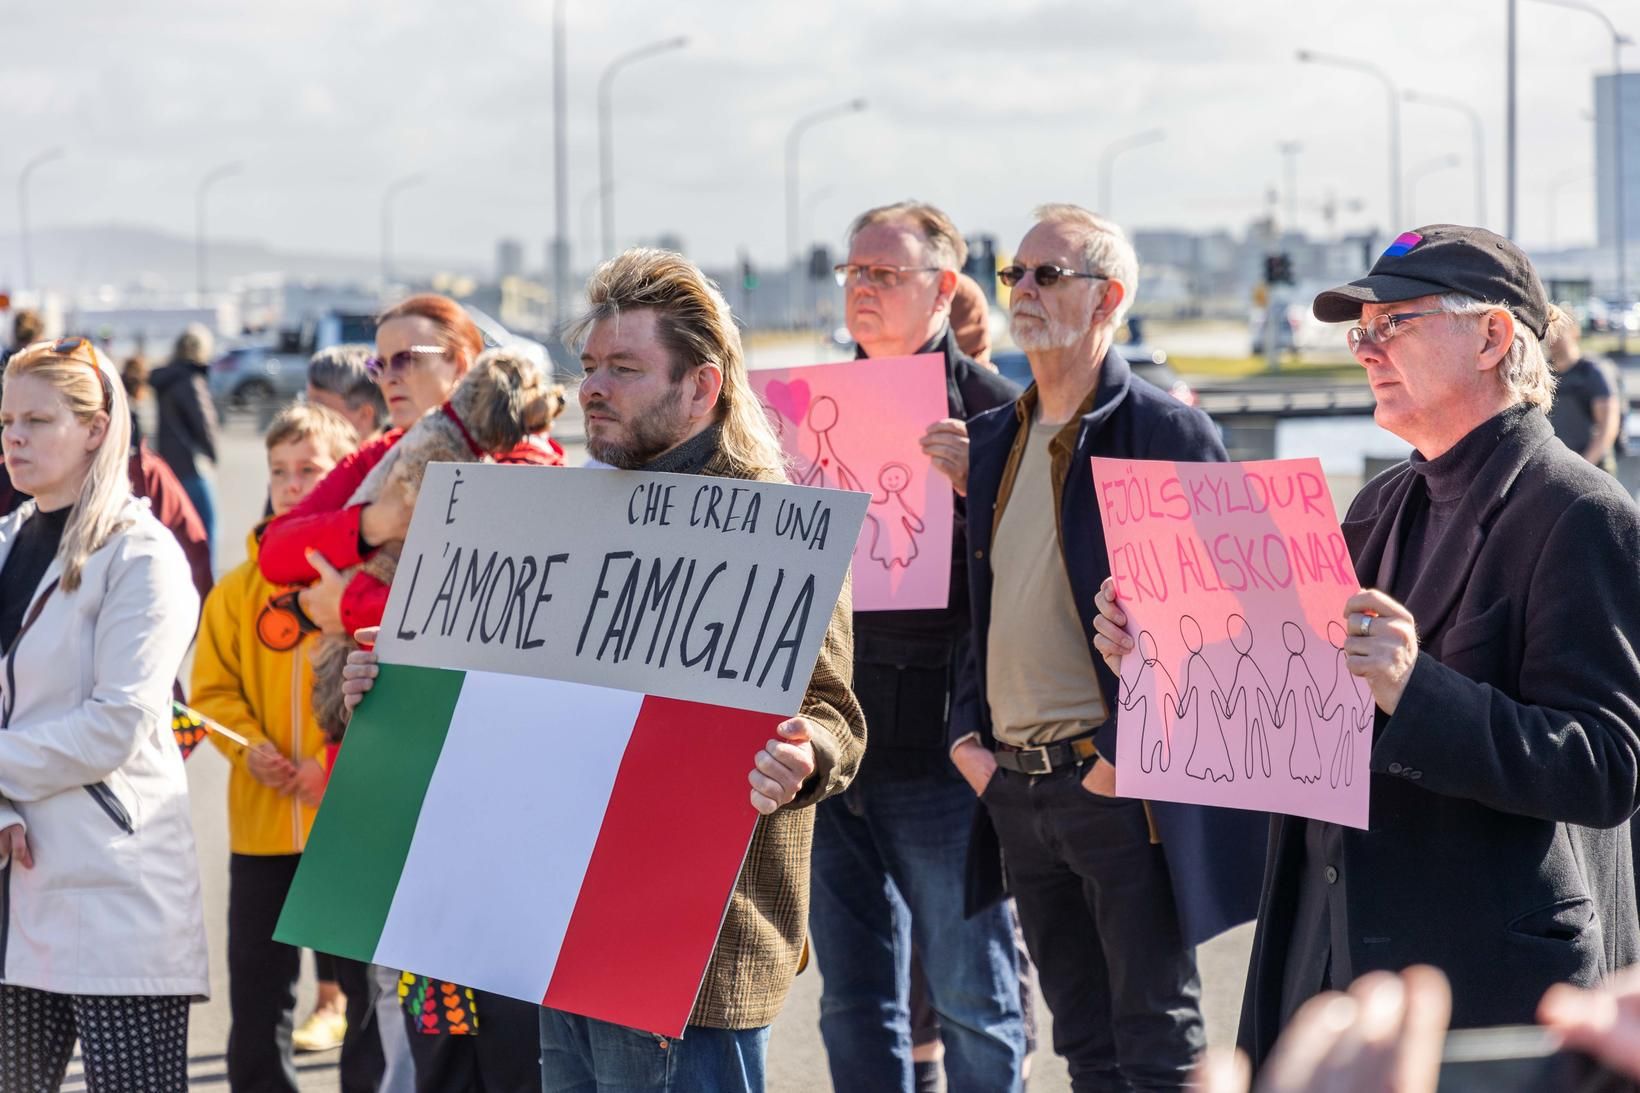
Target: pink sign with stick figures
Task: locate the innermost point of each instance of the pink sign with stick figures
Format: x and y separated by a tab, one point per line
855	425
1233	577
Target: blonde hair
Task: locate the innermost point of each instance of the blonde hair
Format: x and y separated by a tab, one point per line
98	513
1105	250
299	421
1524	370
694	325
945	242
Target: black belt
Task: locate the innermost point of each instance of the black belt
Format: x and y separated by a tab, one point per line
1046	758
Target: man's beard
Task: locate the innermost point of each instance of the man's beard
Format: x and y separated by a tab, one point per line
645	434
1045	333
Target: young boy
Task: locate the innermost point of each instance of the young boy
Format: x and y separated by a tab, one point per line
251	673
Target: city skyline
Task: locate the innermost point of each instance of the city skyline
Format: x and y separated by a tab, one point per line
985	111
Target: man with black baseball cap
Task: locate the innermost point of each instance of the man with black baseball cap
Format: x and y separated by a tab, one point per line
1497	628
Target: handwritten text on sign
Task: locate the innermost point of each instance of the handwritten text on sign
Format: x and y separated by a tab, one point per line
1233	577
705	589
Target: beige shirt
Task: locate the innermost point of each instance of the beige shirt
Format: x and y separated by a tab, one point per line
1039	676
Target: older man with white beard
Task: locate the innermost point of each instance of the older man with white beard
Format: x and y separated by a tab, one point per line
1113	894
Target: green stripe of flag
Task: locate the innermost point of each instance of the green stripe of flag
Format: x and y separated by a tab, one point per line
350	871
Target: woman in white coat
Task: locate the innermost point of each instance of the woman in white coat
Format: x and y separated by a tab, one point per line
102	935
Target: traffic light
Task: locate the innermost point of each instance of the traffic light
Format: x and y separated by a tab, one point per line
1278	269
820	262
748	274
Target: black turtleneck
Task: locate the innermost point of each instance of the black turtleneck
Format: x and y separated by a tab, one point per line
30	556
1446	479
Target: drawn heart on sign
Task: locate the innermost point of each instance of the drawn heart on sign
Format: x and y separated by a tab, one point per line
790	399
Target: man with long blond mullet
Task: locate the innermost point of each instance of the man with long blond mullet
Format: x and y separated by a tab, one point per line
666	390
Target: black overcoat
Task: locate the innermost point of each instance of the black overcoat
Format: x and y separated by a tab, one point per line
1498	847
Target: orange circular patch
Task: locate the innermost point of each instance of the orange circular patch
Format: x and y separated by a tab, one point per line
278	629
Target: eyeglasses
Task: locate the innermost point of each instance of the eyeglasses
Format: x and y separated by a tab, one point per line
76	349
877	276
1381	328
1046	275
401	362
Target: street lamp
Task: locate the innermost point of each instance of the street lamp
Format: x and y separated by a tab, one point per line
606	151
799	127
1309	56
1477	133
1619	40
1107	161
394	188
1420	172
22	209
1289	150
212	177
560	174
811	203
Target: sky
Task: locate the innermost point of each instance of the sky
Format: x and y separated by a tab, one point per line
985	108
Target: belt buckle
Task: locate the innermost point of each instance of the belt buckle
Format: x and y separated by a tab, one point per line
1038	763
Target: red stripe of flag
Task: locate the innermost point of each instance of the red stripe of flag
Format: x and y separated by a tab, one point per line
674	836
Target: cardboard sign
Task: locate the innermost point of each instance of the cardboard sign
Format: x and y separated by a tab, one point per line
545	796
1233	577
855	425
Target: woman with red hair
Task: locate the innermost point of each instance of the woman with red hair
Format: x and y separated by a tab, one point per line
424	346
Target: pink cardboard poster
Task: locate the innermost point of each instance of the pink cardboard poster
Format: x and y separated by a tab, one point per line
1234	577
855	425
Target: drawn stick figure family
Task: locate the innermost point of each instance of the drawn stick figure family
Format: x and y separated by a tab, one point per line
1203	720
894	527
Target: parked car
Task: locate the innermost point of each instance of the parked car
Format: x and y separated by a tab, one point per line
246	376
1148	364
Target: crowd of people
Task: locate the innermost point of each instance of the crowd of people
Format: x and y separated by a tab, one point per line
939	822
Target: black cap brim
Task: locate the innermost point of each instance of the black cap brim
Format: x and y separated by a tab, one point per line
1343	304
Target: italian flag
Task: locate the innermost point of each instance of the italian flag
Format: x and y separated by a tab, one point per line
556	842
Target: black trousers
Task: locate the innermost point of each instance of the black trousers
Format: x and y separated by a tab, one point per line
1096	905
262	975
505	1056
128	1044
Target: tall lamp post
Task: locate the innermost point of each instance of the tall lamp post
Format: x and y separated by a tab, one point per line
22	211
1289	150
1107	161
1477	134
1425	169
1619	40
793	210
560	174
212	177
1310	56
389	195
606	150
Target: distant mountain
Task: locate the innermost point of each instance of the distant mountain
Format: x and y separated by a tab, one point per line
82	259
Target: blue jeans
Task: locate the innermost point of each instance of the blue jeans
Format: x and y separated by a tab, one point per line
199	491
584	1055
888	871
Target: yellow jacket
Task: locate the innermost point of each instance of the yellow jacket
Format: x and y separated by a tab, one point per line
265	696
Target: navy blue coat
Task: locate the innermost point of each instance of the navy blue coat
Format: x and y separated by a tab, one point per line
1215	856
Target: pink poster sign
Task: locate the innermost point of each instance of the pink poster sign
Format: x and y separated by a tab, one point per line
855	425
1234	577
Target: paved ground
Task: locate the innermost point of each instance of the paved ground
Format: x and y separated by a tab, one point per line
797	1060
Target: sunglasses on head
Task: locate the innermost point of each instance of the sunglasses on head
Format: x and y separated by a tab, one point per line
401	362
80	351
1046	275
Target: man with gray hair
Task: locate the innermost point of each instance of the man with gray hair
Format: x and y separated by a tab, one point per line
338	378
1497	630
1113	894
887	863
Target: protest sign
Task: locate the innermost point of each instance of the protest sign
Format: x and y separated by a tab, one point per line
1234	577
545	795
855	425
